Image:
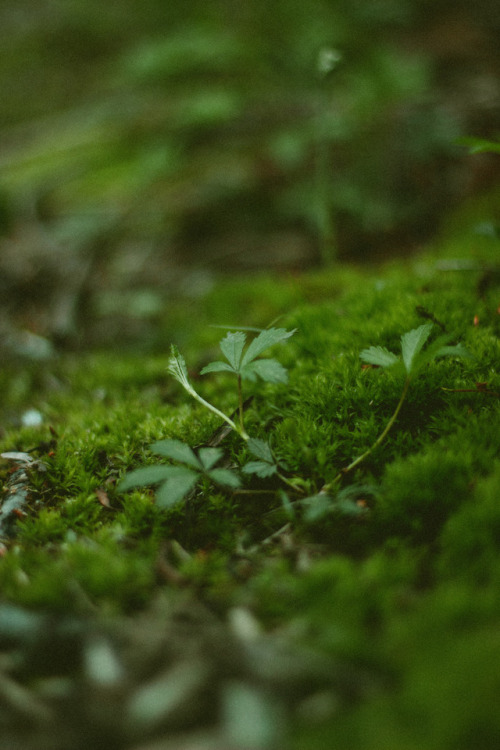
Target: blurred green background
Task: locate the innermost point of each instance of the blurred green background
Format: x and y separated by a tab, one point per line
147	147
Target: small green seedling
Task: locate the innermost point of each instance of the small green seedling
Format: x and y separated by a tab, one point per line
266	465
245	365
176	481
413	358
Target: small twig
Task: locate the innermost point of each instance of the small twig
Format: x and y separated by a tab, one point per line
487	391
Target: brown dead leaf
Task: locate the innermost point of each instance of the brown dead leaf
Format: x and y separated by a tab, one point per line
103	498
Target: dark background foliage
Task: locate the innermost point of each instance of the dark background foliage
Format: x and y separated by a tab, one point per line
148	145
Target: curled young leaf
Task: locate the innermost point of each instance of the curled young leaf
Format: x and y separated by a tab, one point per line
177	367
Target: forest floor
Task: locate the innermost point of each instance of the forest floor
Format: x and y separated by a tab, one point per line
312	603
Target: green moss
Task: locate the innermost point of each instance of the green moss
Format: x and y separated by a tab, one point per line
470	542
402	593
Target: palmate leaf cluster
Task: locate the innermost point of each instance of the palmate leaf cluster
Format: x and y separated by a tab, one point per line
246	365
265	465
176	481
413	356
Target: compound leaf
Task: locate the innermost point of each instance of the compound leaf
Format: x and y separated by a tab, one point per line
260	449
209	457
177	451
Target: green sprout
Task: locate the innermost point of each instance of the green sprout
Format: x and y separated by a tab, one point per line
266	464
245	365
413	358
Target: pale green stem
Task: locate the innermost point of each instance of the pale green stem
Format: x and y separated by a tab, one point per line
289	483
239	429
377	442
240	406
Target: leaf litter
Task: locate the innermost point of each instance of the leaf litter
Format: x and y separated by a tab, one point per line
174	676
16	491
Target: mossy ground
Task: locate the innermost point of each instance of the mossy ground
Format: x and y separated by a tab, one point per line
403	594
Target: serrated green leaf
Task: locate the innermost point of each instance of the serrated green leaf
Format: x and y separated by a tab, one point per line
263	341
225	477
260	449
262	469
175	488
379	355
149	475
412	343
217	367
270	370
209	457
177	451
232	348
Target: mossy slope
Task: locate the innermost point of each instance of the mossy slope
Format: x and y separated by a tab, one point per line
402	593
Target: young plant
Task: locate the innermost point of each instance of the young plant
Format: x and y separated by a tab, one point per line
266	465
244	365
176	481
413	358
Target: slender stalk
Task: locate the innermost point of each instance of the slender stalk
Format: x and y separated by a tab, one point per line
237	428
240	406
289	483
377	442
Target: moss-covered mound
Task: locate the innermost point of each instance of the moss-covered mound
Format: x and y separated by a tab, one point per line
315	605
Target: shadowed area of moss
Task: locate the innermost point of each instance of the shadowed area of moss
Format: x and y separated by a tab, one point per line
394	578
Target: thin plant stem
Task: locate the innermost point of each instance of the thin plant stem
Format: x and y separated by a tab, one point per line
240	406
289	483
239	429
377	442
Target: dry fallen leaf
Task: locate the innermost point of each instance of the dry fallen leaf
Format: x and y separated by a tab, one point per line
103	498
